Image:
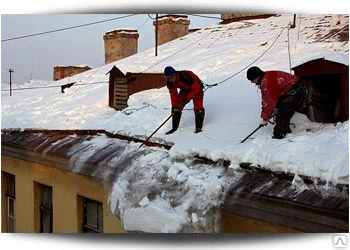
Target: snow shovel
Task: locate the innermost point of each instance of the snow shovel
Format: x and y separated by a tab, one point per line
155	131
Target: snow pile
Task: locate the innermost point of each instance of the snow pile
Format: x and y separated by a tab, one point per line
165	184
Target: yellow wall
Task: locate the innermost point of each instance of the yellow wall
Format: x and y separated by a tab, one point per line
66	187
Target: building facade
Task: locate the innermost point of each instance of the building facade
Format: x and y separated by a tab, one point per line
42	195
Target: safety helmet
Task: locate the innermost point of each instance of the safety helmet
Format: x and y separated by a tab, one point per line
254	72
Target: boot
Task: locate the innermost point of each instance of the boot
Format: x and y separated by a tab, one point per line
199	118
176	122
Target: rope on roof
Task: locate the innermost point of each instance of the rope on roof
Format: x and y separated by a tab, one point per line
176	52
207	86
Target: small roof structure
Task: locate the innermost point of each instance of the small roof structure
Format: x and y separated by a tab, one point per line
122	85
320	66
328	85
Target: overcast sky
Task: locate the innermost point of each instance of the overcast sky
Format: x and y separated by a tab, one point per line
34	57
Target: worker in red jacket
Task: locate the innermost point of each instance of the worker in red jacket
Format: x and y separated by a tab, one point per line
282	94
190	88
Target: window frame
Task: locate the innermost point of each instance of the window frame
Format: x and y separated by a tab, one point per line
88	227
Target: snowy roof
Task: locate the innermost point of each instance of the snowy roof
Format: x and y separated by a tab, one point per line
218	54
232	107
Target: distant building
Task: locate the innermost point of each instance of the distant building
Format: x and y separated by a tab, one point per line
60	72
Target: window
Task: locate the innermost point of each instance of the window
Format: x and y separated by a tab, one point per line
11	215
43	208
92	221
8	183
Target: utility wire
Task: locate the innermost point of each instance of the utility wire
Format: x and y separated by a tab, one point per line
67	28
212	17
153	18
57	86
139	28
197	15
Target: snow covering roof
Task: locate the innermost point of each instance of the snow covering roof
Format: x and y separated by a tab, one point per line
218	54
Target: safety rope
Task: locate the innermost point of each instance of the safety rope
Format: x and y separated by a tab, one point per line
207	86
129	111
177	52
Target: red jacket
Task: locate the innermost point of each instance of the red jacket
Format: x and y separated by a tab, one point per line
273	85
189	85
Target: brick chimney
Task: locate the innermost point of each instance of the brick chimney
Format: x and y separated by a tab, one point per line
171	27
60	72
119	44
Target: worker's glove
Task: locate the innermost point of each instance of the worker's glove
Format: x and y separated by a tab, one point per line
263	123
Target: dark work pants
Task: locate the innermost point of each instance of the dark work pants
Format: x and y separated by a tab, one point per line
287	105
